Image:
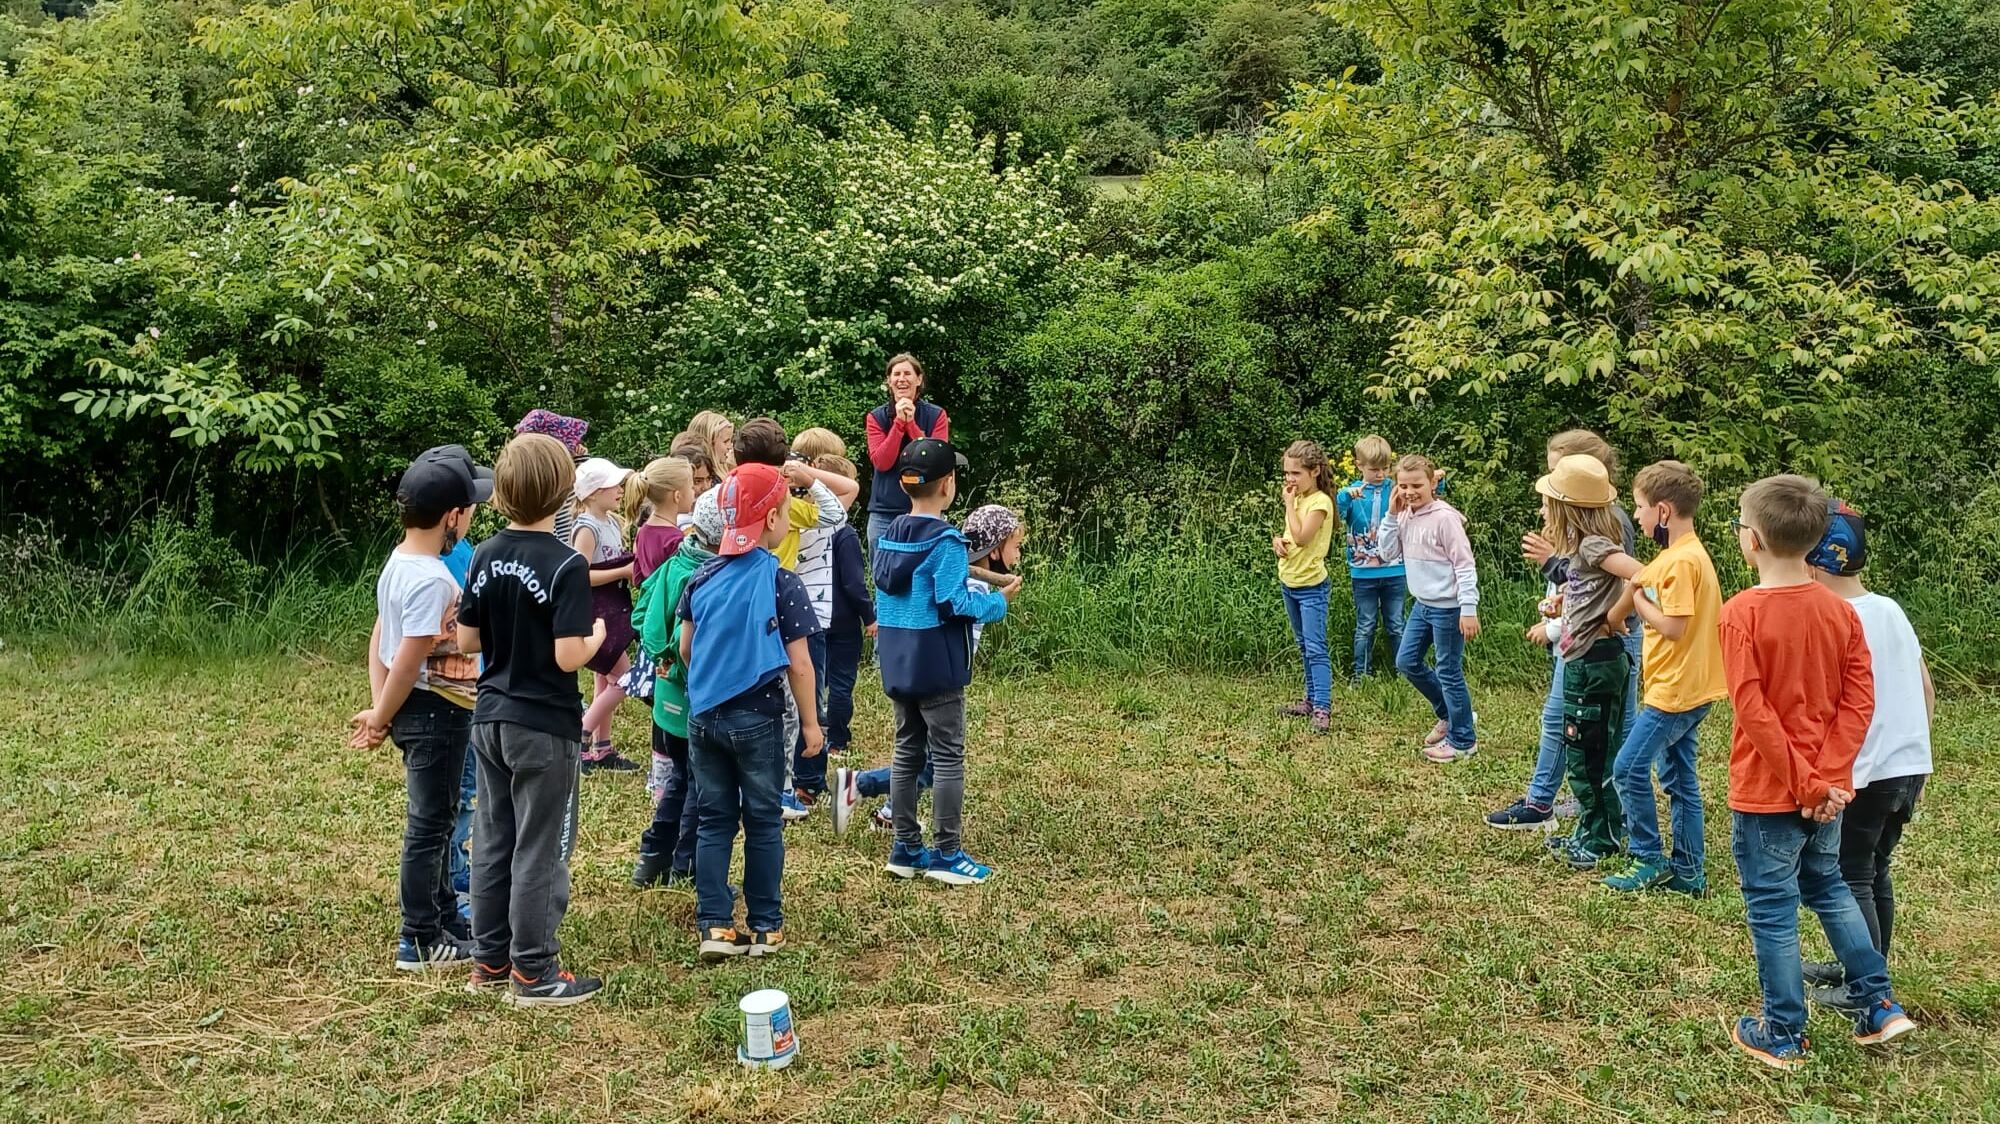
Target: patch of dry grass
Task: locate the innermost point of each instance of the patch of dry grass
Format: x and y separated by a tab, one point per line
1201	914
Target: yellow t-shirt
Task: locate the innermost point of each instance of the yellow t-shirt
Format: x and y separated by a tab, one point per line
1306	564
802	513
1680	675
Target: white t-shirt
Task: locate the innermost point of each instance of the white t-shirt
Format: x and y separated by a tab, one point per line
815	568
417	596
1899	738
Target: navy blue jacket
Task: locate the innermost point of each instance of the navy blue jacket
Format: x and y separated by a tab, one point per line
853	608
925	609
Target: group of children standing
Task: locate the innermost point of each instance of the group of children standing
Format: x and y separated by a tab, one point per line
1830	745
743	587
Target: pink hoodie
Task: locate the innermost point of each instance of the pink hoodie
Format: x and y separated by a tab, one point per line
1437	557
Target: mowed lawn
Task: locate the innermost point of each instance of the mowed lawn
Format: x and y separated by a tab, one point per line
1202	913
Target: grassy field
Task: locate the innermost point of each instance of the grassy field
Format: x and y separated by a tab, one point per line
1202	913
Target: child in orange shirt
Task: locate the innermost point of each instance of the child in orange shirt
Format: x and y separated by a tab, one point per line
1799	676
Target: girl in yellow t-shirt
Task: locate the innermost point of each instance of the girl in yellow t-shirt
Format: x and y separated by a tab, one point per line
1301	552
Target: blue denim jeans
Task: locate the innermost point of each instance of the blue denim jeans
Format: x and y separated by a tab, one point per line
1378	602
875	782
461	831
1305	608
739	769
1548	775
809	773
1783	860
1431	627
843	667
678	812
1666	741
1549	751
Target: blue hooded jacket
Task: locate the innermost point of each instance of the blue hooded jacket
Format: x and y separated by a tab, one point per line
924	645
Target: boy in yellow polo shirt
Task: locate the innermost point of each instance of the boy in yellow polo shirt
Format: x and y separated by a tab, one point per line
1679	598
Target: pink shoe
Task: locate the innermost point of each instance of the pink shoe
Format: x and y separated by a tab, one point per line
1437	733
1444	753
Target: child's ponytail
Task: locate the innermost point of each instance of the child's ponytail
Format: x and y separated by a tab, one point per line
653	485
1312	458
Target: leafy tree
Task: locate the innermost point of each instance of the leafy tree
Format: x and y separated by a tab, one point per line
499	167
1688	208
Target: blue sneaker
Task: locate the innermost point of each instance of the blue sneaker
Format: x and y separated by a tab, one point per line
1881	1021
907	861
445	952
957	869
1775	1050
791	808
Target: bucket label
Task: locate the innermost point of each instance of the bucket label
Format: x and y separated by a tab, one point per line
780	1030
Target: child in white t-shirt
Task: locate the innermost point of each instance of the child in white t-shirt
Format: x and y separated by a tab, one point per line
1895	758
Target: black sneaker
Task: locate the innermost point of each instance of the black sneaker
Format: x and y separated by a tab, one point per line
613	762
652	868
1823	973
1522	815
556	988
720	942
489	977
445	952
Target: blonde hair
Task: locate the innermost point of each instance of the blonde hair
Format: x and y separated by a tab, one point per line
648	489
1671	483
531	477
1373	451
1417	462
836	462
1788	512
1566	525
703	427
817	442
1583	442
1311	458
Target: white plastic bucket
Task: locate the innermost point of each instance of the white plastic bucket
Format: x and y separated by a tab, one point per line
768	1039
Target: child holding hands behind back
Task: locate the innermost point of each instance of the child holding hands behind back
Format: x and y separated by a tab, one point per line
1800	679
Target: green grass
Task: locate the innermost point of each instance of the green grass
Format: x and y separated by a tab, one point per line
1202	914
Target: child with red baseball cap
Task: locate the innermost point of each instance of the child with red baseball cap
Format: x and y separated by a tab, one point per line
738	665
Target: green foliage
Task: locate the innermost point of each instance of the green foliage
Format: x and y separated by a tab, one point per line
208	402
498	167
1681	207
821	260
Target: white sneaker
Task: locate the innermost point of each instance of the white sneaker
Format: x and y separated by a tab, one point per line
844	798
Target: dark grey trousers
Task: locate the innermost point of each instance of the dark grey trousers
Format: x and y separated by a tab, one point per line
929	730
523	830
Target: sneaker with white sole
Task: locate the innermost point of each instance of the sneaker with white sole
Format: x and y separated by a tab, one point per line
720	942
444	952
957	869
883	820
1881	1021
1566	807
906	861
1437	734
791	809
1444	753
489	977
844	799
1523	815
555	988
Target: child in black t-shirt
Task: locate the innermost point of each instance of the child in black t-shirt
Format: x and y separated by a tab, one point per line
527	608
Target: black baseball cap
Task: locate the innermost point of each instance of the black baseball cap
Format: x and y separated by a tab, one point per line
928	459
444	478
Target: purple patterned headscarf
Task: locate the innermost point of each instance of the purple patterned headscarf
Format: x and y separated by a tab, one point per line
567	430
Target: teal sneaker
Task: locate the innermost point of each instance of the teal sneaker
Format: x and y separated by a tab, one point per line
1693	885
1644	874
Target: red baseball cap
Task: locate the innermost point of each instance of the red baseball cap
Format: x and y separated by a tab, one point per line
747	496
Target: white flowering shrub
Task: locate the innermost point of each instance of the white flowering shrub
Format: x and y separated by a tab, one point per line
820	263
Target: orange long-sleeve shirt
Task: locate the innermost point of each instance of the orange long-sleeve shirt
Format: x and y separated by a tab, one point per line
1804	691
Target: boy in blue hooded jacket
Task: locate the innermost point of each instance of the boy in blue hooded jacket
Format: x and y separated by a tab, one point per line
924	646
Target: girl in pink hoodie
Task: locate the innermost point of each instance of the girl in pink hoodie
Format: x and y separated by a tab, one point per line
1428	536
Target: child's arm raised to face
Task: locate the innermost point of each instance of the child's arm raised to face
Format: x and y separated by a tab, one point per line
1302	525
1762	724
